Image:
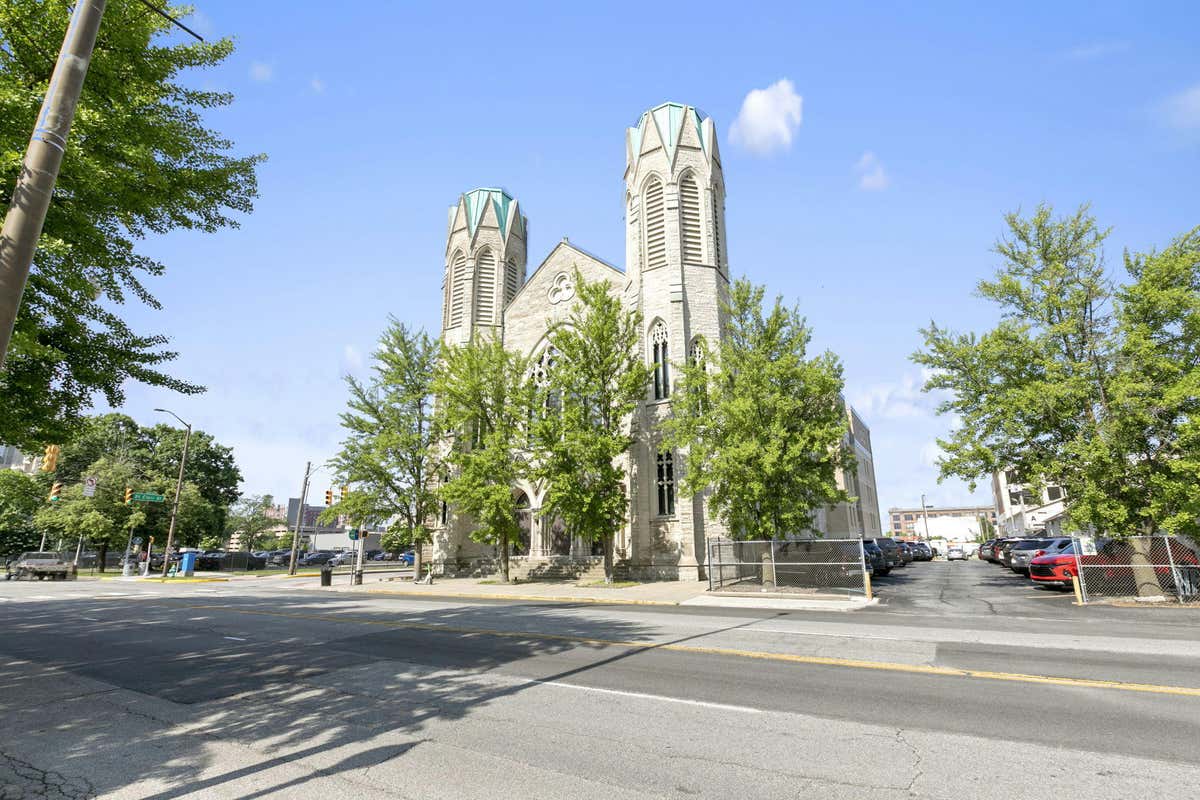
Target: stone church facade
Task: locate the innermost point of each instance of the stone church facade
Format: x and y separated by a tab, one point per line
676	275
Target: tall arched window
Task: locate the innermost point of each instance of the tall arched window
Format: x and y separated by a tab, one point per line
689	217
458	288
511	276
485	287
655	226
658	357
698	356
665	480
716	227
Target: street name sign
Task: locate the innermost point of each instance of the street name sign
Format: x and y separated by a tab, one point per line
148	497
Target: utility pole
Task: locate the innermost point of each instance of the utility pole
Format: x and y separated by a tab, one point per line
43	158
925	514
187	437
299	517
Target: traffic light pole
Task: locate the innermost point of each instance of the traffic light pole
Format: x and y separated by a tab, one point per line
43	158
299	517
187	437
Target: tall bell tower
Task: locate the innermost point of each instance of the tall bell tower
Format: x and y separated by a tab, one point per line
485	263
678	278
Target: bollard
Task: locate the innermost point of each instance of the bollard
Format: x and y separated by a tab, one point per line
356	577
326	575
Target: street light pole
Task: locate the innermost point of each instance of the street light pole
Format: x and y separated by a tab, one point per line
925	514
187	438
299	517
43	158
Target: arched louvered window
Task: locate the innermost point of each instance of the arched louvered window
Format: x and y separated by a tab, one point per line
716	228
511	276
658	354
655	225
485	287
446	289
458	288
689	218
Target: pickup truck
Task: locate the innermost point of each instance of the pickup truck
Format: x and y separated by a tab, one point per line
38	565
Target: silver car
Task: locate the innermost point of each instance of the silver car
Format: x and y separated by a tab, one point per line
956	554
1025	551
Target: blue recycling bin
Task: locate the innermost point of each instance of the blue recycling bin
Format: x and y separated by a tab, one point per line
187	564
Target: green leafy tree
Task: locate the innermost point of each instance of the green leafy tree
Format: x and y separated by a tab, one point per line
21	496
395	540
104	520
140	161
389	455
597	380
484	400
1083	383
762	424
253	518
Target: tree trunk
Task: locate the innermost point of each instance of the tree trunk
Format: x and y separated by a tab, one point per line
416	561
607	558
504	561
1145	578
102	555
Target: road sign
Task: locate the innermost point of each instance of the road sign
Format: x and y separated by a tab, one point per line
148	497
137	540
1087	546
353	534
89	486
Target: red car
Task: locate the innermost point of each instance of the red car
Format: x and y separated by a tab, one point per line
1056	569
1113	557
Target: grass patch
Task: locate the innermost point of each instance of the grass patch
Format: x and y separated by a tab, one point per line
498	582
603	585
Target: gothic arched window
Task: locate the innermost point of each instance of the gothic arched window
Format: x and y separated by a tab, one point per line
511	276
485	287
698	356
458	288
658	358
689	217
665	481
654	209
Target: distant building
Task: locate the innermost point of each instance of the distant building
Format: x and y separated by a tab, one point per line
860	517
1022	510
12	458
905	522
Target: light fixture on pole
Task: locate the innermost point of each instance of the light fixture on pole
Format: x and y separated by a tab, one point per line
178	488
925	514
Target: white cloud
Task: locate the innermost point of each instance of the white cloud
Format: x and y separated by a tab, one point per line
354	359
261	71
317	85
902	399
768	119
930	453
1182	110
1095	50
871	175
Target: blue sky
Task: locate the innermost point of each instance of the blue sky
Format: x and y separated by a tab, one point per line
874	211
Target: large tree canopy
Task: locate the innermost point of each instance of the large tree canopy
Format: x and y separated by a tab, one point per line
140	161
1084	383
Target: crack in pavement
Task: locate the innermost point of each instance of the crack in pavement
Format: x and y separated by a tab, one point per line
918	772
20	780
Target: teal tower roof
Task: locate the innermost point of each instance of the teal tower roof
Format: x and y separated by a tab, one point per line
668	119
476	201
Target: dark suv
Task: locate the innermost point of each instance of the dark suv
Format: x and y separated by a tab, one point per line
891	552
875	557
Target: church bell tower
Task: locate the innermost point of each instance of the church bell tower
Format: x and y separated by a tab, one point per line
485	263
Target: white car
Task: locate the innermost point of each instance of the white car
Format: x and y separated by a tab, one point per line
955	554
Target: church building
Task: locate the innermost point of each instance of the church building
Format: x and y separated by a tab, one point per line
676	274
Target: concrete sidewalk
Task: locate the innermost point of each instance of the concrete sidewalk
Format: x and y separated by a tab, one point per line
658	593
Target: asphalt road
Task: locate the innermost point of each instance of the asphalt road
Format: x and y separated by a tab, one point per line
963	682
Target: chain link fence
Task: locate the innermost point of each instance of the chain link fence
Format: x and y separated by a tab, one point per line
1140	568
789	565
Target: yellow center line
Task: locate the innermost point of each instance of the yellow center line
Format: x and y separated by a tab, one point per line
825	661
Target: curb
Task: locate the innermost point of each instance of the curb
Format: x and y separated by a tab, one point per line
527	597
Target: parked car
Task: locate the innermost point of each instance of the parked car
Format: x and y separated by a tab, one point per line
875	557
1025	551
906	553
891	551
922	551
346	558
956	554
316	558
1056	569
1004	553
38	565
984	551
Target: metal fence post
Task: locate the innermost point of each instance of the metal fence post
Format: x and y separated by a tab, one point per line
1075	545
710	563
1174	570
866	576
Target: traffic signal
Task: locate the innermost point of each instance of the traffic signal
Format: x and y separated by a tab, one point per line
50	459
345	491
329	497
55	490
128	495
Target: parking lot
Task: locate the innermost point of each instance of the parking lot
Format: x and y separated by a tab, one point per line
972	587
